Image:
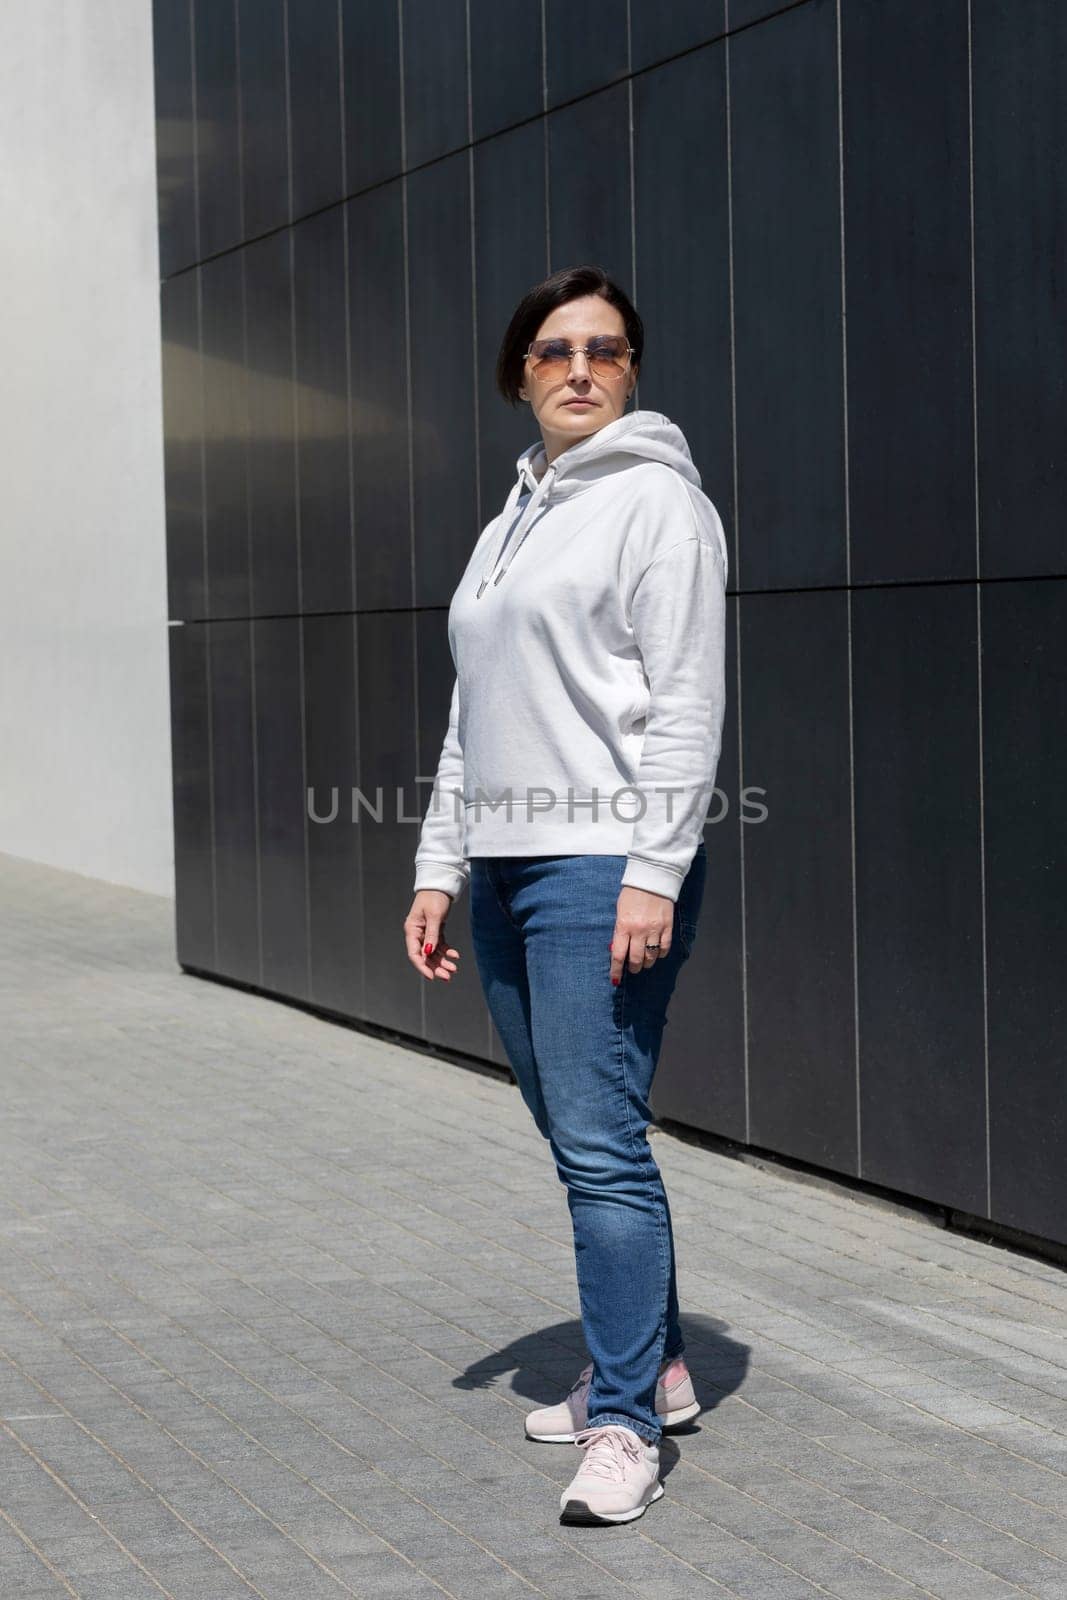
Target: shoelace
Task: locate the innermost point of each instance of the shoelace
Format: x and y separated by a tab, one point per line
582	1381
607	1450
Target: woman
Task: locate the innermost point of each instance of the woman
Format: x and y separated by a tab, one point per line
587	634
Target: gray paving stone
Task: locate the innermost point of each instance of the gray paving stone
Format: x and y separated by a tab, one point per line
297	1285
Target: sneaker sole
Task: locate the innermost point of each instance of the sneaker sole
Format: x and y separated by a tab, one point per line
673	1419
576	1511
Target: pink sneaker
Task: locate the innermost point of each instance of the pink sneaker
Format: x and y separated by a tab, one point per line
675	1403
617	1480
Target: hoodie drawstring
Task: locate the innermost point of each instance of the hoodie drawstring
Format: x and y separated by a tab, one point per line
635	436
522	527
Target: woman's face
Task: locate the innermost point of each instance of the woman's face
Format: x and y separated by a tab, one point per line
574	401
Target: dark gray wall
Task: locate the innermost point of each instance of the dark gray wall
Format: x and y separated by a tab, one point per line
353	197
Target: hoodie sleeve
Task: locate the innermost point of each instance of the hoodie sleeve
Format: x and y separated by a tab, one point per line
440	860
678	615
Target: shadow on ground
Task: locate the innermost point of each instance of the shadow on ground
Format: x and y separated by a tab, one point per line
546	1363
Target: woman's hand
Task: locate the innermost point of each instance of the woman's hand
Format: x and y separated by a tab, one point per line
641	918
424	926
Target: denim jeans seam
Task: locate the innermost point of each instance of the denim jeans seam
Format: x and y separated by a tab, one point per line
601	1419
491	875
643	1166
484	870
673	1270
688	922
683	937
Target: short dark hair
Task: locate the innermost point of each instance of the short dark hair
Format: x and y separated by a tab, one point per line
570	283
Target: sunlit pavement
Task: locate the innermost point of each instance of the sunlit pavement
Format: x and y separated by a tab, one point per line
276	1295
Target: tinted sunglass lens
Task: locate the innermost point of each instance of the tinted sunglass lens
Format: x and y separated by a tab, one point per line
604	354
550	353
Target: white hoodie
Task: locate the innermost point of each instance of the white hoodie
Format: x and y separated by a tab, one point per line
588	637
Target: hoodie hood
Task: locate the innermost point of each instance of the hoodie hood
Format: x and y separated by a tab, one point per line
635	436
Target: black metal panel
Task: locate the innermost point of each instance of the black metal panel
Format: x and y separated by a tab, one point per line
657	32
314	44
172	41
378	339
454	1012
322	424
787	302
335	888
701	1078
742	13
685	294
918	891
225	435
798	877
436	90
218	162
281	814
585	47
233	790
1020	180
589	184
506	64
908	290
373	128
510	256
443	430
387	764
194	876
183	436
272	517
264	115
1024	642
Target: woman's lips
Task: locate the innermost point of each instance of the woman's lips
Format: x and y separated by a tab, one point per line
579	402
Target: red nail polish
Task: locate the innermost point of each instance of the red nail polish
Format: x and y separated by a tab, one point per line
427	949
615	981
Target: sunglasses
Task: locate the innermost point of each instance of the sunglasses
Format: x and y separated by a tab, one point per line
608	356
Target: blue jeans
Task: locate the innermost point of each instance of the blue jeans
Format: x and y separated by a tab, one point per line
584	1054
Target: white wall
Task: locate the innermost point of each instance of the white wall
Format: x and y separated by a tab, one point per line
84	698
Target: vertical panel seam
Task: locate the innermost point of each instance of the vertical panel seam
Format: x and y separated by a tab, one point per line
240	122
205	593
195	108
978	615
474	278
848	595
351	468
297	529
354	574
633	206
346	271
407	404
253	717
407	299
546	145
737	568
